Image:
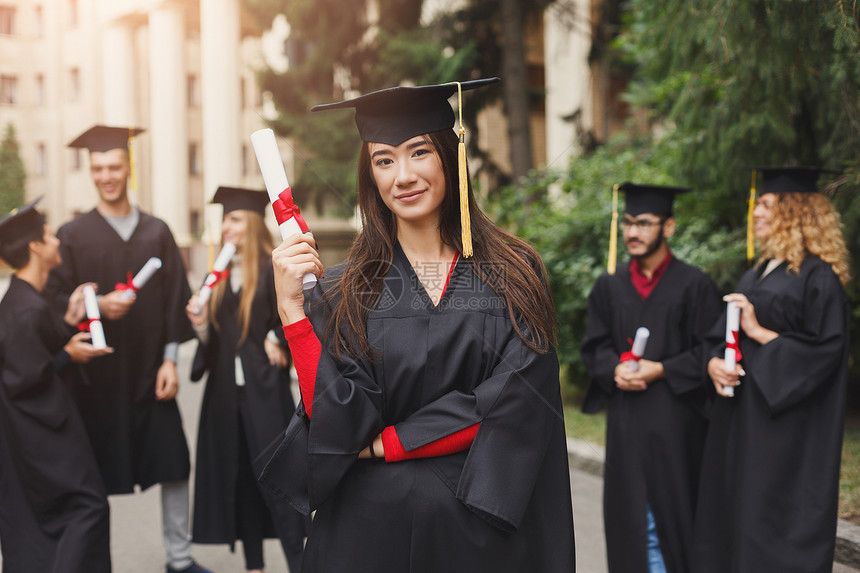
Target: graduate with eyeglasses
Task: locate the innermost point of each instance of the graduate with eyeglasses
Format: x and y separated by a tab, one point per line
655	425
770	476
430	436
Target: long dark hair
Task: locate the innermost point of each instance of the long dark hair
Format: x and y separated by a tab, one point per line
522	284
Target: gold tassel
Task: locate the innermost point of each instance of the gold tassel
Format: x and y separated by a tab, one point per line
751	222
210	235
131	164
465	218
613	233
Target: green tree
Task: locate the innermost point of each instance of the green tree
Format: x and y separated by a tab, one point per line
13	176
724	84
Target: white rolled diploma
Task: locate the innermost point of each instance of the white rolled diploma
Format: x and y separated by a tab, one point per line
638	349
733	322
97	332
143	276
221	262
269	158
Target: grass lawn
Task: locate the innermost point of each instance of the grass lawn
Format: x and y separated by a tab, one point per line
592	428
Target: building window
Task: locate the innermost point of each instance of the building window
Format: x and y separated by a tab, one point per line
193	160
41	160
74	84
40	90
193	91
77	161
8	90
244	159
7	20
242	98
38	22
73	13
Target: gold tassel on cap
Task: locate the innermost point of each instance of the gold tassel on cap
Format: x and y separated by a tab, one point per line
613	233
751	222
131	166
465	219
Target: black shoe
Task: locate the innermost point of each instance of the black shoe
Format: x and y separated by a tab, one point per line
193	568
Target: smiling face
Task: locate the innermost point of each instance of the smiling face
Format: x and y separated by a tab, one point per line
410	179
48	249
763	215
234	227
109	171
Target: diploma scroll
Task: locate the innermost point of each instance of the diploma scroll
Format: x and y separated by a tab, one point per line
94	318
218	268
733	351
631	359
290	221
141	278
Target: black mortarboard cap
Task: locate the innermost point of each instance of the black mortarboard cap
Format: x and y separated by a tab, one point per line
393	115
22	221
649	198
799	179
233	198
101	138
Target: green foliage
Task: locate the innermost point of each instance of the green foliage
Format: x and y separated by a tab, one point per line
570	228
13	177
726	84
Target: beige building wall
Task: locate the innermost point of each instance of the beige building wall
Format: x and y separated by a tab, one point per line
98	61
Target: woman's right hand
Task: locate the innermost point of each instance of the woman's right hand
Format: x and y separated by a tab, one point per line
722	378
81	351
292	259
198	314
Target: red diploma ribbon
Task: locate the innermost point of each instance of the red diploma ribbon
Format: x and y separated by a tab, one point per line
286	209
216	277
628	356
128	285
735	345
84	326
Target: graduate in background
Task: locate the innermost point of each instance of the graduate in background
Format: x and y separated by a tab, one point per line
656	415
430	435
247	403
128	403
770	476
54	514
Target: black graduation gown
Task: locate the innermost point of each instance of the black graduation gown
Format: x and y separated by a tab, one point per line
654	438
54	515
770	474
266	405
502	506
136	439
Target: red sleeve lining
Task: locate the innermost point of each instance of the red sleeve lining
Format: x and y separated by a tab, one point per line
305	348
450	444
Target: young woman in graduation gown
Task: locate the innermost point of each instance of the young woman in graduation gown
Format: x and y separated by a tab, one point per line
247	402
770	475
54	514
430	435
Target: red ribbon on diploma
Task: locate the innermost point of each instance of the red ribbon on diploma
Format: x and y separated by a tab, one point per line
628	356
129	285
84	326
735	345
286	209
217	277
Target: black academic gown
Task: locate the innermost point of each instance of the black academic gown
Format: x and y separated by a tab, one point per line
136	439
770	475
54	515
265	405
502	506
654	438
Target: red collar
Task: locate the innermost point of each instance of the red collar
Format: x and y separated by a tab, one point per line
643	284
